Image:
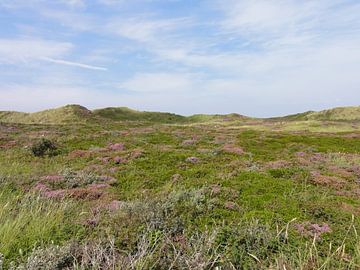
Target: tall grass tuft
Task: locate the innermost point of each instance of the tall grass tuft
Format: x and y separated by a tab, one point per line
28	221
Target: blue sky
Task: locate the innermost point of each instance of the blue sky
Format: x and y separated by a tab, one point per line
255	57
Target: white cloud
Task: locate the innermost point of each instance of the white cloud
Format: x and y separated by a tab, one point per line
255	57
290	22
159	82
72	19
264	15
36	97
145	30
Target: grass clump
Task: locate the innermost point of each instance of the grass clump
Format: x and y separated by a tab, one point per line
30	221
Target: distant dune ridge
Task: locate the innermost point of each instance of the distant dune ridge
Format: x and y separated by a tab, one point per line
77	113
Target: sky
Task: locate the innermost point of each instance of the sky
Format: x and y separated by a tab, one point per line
254	57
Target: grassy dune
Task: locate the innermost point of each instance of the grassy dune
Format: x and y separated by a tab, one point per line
134	190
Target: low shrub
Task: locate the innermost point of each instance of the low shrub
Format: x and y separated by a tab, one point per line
44	147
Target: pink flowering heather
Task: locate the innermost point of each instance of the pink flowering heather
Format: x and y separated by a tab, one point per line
98	186
315	173
52	178
40	187
230	205
114	205
215	190
326	180
104	160
107	179
300	154
313	230
92	222
8	145
89	193
278	164
136	153
118	160
113	169
192	159
116	147
188	142
318	157
55	194
80	153
233	149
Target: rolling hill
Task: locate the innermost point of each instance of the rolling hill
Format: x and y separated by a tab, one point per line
126	114
62	115
77	113
335	114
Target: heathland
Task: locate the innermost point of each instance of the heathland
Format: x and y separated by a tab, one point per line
116	188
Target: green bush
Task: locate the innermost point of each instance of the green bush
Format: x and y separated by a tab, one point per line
44	147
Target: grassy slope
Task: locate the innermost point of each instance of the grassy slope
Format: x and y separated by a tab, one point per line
227	203
335	114
66	114
77	113
126	114
244	198
217	117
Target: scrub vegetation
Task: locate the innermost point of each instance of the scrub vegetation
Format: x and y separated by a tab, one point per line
120	189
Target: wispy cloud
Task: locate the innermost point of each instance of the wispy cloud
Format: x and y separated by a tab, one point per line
160	82
14	51
74	64
259	57
145	30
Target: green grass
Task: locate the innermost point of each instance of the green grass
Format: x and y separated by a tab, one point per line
29	221
66	114
233	209
126	114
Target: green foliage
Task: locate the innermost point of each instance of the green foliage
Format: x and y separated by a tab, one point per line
244	244
286	173
270	146
44	147
28	221
50	258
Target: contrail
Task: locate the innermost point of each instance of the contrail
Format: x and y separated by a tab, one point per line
75	64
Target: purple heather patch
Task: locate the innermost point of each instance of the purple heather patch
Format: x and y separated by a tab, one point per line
118	160
116	147
233	149
192	159
312	229
52	178
188	142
